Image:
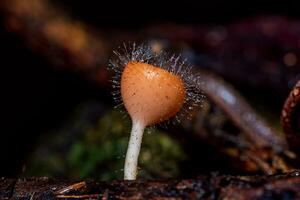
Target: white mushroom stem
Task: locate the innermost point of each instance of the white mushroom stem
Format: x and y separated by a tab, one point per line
133	150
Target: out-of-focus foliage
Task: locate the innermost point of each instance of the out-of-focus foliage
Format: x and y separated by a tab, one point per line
88	148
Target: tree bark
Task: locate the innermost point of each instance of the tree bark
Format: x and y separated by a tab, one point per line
280	186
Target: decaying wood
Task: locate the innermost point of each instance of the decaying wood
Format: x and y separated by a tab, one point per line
289	118
280	186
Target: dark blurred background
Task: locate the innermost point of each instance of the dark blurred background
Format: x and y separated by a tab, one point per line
38	98
131	14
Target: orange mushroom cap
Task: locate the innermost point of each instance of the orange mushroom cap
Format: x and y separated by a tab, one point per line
151	94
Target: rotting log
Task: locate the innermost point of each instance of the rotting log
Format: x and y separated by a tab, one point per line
279	186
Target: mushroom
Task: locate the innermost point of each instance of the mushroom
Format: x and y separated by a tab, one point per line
153	89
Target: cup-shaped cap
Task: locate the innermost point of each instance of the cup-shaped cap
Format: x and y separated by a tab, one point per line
151	94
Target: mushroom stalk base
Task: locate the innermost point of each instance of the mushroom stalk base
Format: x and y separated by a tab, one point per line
133	150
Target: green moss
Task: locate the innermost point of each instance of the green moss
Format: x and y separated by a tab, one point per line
98	151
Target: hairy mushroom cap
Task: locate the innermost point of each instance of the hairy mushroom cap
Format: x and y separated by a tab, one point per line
151	94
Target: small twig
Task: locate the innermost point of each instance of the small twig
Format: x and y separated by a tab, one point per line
87	196
261	163
240	112
69	188
31	198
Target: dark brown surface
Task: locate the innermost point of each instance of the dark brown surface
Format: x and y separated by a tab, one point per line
281	186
